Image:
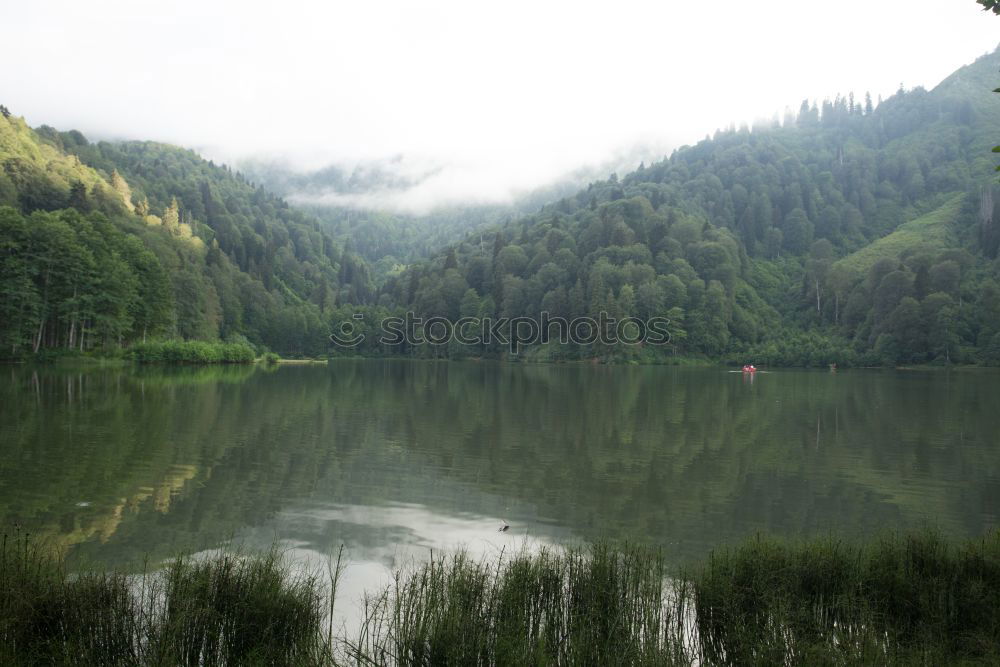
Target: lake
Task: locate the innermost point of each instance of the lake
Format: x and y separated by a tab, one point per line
393	458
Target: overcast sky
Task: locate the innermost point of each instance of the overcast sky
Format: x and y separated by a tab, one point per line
496	96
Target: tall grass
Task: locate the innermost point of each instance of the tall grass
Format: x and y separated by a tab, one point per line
234	609
47	619
910	599
902	599
600	606
237	609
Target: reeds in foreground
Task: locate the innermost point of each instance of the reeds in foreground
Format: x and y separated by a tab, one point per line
595	606
908	599
227	610
47	619
237	609
901	599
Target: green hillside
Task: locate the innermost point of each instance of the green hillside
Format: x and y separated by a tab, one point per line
852	232
930	233
108	244
390	240
37	175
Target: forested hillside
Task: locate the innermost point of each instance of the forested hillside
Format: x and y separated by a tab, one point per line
852	232
352	205
107	244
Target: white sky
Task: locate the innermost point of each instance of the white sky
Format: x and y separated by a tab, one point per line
499	96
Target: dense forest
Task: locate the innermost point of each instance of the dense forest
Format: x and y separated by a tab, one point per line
851	232
352	204
108	244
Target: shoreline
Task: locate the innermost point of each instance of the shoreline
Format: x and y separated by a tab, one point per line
682	362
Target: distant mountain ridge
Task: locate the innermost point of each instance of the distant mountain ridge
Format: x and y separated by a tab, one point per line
361	205
852	233
740	240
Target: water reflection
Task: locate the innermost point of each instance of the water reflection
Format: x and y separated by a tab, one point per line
393	458
380	540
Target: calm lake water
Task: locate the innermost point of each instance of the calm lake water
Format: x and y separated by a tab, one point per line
394	458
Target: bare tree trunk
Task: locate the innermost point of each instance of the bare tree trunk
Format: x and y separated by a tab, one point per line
44	315
72	324
38	336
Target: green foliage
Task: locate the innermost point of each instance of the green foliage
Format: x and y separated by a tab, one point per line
928	233
191	352
898	600
834	229
597	606
903	599
75	283
389	241
37	175
229	609
46	619
182	248
806	243
990	5
238	609
806	349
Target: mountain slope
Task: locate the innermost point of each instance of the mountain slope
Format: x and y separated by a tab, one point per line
355	207
929	233
105	244
737	240
851	233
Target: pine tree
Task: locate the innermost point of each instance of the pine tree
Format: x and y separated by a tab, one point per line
78	197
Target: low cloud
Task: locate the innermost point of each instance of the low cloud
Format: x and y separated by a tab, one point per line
483	101
414	186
